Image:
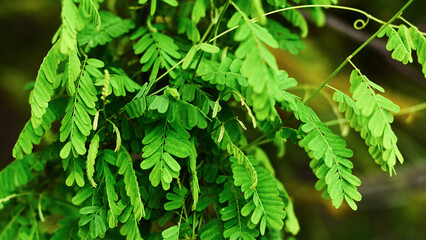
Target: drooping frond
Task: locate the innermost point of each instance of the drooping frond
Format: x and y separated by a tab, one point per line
136	108
15	175
161	143
376	116
286	40
227	73
418	43
296	18
176	199
195	187
75	166
32	136
76	125
130	228
199	10
159	51
211	231
125	165
112	197
398	43
264	206
383	140
112	27
265	80
92	222
330	161
68	32
235	224
186	114
90	8
43	88
91	158
119	83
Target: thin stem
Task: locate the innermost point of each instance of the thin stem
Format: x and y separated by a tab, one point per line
369	16
407	22
329	6
12	196
411	25
211	36
171	69
412	109
331	76
329	100
336	122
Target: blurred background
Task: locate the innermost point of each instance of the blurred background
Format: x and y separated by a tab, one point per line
392	208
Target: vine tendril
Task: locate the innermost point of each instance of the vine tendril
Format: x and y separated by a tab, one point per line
363	23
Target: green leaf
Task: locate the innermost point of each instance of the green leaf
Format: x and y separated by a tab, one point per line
159	50
90	8
160	103
161	142
130	229
199	11
117	136
171	233
398	43
327	150
111	27
206	47
82	195
68	32
418	43
263	34
195	188
76	125
76	172
257	11
125	163
189	56
172	3
91	157
176	199
286	40
297	19
235	224
370	113
43	87
114	209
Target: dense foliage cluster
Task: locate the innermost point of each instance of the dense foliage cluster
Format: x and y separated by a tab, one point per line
142	111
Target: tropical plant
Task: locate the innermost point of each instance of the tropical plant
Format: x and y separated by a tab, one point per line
141	110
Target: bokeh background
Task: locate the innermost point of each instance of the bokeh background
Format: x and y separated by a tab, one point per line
392	208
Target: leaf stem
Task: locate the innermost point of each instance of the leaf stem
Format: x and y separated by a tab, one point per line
412	109
364	23
211	36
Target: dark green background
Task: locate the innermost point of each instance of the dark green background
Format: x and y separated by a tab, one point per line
392	208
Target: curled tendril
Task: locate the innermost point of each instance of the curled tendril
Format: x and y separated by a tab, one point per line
360	23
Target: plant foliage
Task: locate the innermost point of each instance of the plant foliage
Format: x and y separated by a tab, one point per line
141	137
